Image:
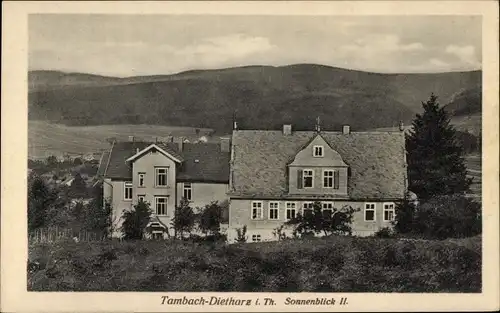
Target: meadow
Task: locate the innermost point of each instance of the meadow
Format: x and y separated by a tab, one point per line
45	139
335	264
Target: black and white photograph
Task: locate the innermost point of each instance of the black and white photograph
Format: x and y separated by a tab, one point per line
254	153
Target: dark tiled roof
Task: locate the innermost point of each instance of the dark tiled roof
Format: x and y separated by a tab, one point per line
204	162
376	160
212	165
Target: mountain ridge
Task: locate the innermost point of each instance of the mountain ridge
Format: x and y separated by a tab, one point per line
260	97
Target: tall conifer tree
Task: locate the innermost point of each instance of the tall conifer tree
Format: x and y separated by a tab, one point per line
436	164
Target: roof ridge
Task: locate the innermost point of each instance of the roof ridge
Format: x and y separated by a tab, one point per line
323	132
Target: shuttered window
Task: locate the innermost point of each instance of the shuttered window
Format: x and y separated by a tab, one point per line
299	179
307	178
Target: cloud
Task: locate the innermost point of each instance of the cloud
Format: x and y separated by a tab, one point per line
230	47
466	54
438	63
377	44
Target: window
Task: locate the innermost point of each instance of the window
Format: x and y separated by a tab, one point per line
256	238
291	210
188	191
256	210
274	210
127	194
318	151
307	208
369	212
141	179
307	178
161	205
327	209
141	198
331	179
388	212
161	176
327	179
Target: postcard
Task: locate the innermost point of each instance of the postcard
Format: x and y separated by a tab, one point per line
250	156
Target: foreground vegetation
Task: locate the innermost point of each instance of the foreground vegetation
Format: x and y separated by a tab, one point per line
333	264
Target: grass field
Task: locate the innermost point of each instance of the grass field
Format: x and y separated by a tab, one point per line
45	139
337	264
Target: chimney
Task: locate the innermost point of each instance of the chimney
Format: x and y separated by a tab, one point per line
137	150
225	144
401	126
131	138
287	129
235	125
346	129
181	143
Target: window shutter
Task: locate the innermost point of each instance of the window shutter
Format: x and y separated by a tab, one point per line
299	179
336	179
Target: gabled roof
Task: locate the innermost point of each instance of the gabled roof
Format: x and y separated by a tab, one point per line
201	162
376	161
163	149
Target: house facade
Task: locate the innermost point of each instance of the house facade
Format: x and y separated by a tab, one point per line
276	175
268	177
161	173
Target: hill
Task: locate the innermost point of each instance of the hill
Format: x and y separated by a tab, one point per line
45	139
466	102
262	97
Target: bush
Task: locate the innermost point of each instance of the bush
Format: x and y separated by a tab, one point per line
384	232
339	264
135	221
241	234
441	217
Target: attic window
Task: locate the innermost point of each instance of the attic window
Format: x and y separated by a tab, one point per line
318	151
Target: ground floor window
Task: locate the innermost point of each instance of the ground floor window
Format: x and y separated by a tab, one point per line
307	209
389	212
327	209
257	210
256	238
369	212
291	210
274	210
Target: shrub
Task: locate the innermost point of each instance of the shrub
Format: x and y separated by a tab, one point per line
210	218
135	221
184	219
340	264
384	232
441	217
241	234
327	222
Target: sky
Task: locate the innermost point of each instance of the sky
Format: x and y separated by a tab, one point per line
130	45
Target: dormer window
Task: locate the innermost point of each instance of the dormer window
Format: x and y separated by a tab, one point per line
318	151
